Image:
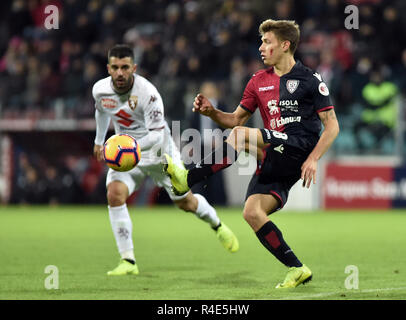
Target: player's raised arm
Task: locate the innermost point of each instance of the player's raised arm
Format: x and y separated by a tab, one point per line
224	119
330	132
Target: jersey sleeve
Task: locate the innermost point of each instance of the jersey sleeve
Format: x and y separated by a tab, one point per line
102	126
321	95
97	101
249	98
154	111
102	118
153	138
153	118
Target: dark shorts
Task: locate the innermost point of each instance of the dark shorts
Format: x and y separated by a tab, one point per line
278	189
281	167
293	145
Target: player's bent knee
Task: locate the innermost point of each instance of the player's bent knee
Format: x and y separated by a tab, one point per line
237	137
185	205
238	131
250	215
188	204
256	219
115	199
117	194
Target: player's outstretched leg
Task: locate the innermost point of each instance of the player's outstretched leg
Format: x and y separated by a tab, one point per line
227	238
240	138
198	205
182	179
178	176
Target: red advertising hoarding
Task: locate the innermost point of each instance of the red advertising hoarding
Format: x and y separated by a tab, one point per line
358	186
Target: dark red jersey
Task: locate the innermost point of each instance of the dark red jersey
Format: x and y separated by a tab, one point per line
290	103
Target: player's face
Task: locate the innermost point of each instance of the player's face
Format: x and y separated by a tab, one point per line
271	49
121	72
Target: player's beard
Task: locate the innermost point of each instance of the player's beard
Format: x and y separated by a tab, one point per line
122	85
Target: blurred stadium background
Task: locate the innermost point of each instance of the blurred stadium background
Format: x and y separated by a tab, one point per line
47	114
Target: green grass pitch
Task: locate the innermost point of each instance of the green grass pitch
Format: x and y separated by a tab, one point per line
180	258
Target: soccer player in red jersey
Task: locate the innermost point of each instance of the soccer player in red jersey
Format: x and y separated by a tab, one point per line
293	101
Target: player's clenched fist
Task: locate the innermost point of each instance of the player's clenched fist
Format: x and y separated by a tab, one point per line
202	105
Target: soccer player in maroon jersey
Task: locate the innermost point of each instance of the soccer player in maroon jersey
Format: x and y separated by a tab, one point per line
293	101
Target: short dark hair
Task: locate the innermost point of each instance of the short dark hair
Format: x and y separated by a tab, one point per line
121	51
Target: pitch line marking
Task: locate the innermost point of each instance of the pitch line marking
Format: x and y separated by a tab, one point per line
326	294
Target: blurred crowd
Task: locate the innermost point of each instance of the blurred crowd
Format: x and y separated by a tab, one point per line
44	173
181	44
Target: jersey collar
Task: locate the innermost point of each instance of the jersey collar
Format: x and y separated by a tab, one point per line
296	67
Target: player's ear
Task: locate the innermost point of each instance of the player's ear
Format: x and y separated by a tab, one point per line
135	68
108	68
286	45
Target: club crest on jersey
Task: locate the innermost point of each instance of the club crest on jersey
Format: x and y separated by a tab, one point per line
292	85
132	102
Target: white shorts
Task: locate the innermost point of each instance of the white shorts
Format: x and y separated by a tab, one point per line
133	179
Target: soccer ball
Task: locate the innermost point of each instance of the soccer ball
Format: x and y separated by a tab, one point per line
121	152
